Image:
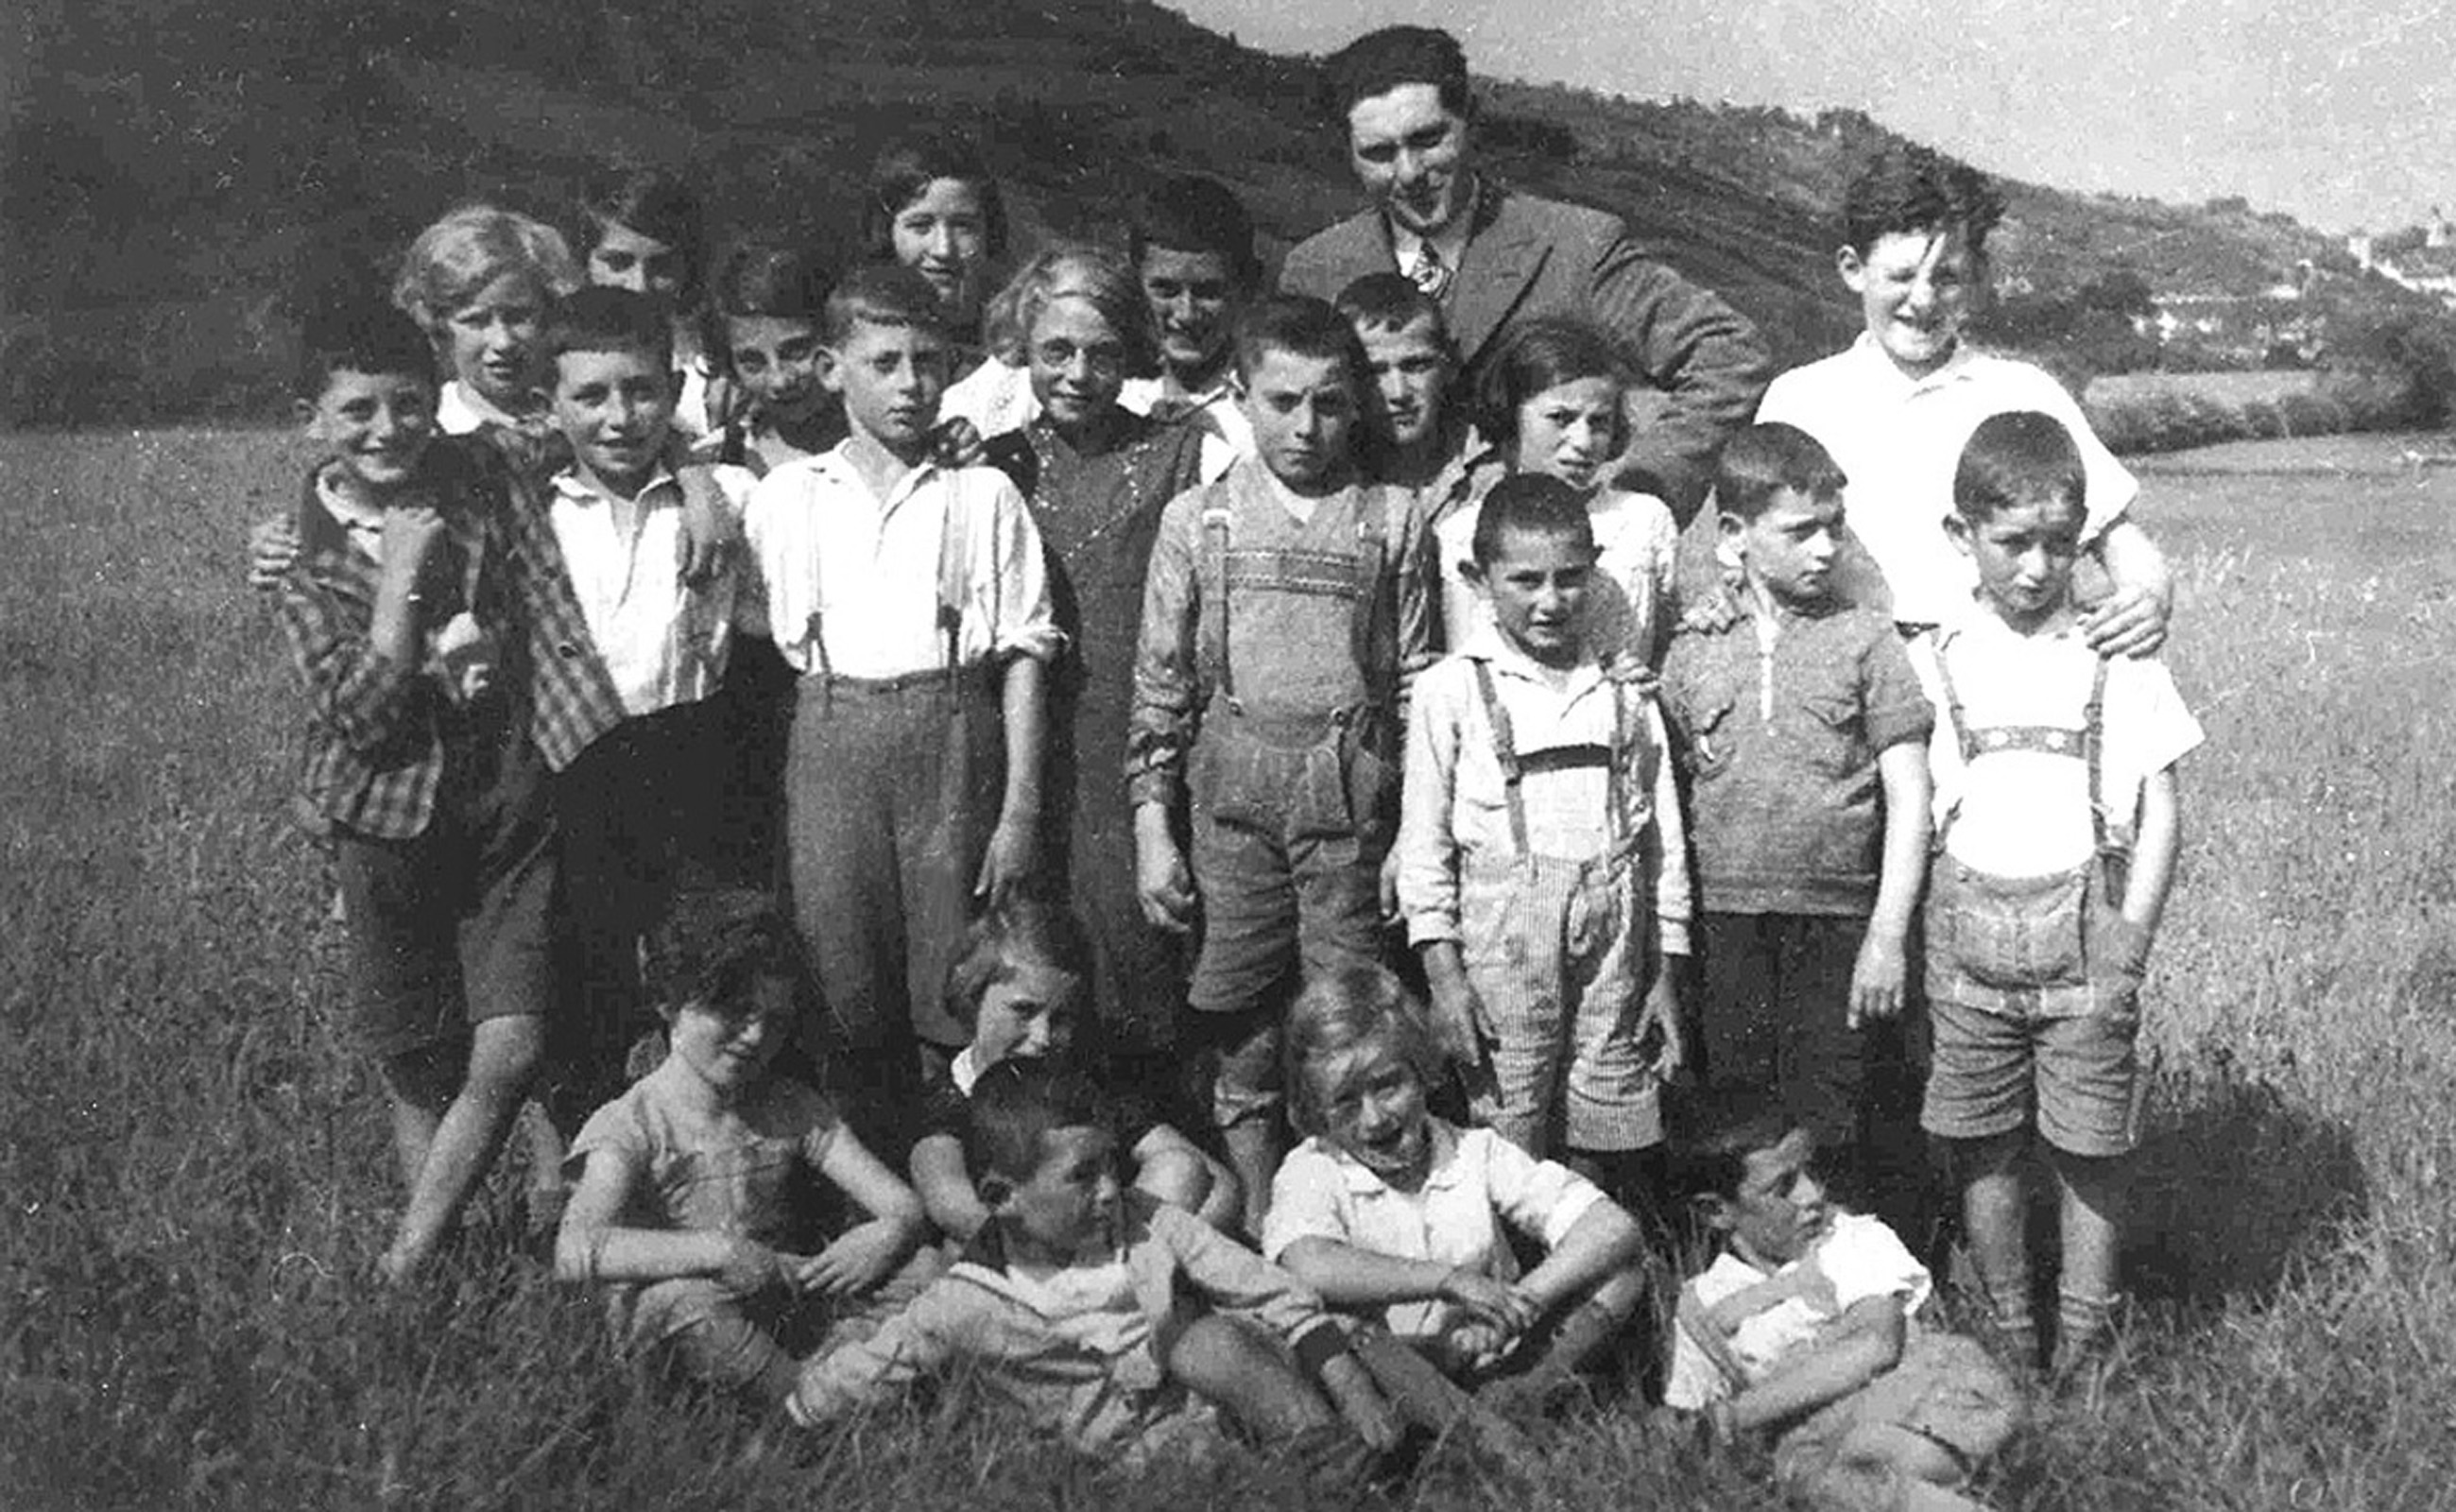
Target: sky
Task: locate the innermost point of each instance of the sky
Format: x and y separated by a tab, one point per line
2342	114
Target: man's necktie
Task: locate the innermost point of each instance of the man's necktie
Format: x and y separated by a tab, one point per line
1428	271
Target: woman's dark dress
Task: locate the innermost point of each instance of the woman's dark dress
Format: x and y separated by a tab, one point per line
1097	516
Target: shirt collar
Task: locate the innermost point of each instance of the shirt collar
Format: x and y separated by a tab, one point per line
1870	354
838	460
570	484
1450	241
1440	1170
1485	643
964	1070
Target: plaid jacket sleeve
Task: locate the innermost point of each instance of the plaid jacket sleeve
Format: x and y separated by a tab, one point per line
361	695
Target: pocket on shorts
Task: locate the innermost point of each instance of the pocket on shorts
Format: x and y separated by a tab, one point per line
2007	934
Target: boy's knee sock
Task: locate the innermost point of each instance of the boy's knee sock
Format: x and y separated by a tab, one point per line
2083	1325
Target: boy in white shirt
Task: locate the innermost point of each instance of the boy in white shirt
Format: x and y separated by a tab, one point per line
2058	822
649	646
1894	408
1806	1327
1540	858
912	599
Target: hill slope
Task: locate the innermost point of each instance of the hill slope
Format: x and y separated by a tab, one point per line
160	197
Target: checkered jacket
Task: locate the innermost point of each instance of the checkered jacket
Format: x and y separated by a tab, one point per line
379	733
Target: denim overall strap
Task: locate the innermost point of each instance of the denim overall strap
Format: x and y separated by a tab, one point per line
1505	748
1212	672
1372	546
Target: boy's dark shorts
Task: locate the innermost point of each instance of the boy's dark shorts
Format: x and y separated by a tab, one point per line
2077	1076
454	926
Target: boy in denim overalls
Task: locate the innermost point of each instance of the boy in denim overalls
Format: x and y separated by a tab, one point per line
1284	613
1540	867
2056	826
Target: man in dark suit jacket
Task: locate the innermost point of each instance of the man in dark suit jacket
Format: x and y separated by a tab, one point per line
1494	257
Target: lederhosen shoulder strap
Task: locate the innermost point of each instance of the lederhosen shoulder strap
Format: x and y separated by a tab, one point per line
1505	748
955	572
2047	740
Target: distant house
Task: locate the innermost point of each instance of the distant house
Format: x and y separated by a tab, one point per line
2428	269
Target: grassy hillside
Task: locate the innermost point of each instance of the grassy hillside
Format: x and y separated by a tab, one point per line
172	166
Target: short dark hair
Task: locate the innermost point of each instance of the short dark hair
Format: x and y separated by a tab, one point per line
2018	457
1713	1131
1540	354
602	319
1390	301
788	282
1023	933
1762	460
904	170
1193	214
1018	1102
1534	503
658	205
360	334
1380	61
1906	187
1299	324
880	293
710	946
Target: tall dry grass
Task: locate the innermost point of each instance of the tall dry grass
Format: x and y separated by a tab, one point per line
196	1180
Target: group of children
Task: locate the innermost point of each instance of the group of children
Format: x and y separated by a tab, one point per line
952	714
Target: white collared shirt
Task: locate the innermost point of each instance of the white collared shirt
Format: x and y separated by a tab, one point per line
2025	812
1453	806
1449	243
1898	439
1227	434
1858	1258
459	410
1477	1182
662	642
850	581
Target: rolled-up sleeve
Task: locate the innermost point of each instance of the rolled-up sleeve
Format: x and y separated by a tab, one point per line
1025	617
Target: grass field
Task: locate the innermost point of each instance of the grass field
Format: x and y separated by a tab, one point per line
197	1180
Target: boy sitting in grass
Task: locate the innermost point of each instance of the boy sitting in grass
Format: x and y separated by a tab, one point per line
406	630
1806	1328
1023	983
1102	1314
692	1198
